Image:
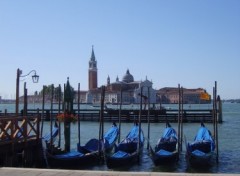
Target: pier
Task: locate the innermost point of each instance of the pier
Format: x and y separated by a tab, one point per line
160	116
156	116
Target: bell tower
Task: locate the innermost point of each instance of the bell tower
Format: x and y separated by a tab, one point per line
92	72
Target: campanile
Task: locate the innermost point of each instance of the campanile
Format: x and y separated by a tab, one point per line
92	72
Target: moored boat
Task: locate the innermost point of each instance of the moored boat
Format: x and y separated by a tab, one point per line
51	135
166	152
129	150
89	154
201	150
110	138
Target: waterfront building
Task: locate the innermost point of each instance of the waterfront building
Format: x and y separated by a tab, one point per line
168	95
130	89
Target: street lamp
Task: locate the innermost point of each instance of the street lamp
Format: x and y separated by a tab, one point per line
35	79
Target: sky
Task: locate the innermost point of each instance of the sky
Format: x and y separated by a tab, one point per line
188	42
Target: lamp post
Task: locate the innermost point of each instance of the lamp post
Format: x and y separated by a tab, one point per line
35	79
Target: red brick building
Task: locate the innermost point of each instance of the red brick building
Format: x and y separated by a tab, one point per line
190	96
92	72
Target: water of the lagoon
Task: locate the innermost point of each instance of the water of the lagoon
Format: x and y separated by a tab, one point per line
229	143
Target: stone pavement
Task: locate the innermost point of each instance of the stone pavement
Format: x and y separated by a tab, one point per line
7	171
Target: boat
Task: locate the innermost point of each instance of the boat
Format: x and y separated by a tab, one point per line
110	138
51	135
49	139
165	151
201	150
128	151
89	154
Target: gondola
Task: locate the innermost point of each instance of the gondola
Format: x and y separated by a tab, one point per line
166	152
200	152
51	135
88	154
84	155
49	139
110	138
128	151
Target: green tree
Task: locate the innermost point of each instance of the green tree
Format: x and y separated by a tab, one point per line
57	92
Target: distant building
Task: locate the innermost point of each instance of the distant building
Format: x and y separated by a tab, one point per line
92	73
83	95
190	96
34	99
130	88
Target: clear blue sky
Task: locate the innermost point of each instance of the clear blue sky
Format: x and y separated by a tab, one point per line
188	42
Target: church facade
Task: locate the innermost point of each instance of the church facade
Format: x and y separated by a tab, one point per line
127	88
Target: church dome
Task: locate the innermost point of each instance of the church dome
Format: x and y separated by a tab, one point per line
128	77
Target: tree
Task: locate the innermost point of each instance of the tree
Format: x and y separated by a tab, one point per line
57	92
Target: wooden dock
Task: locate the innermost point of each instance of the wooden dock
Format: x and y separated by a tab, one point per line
159	116
156	116
19	140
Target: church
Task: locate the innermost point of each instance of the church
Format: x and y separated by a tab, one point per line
127	86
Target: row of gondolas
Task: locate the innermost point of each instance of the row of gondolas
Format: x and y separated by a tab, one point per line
128	151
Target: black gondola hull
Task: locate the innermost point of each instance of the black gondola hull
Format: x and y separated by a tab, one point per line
113	162
72	162
195	160
163	159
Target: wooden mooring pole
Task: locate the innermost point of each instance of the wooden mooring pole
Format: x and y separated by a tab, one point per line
148	118
43	103
120	115
79	129
216	122
59	110
179	110
181	120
